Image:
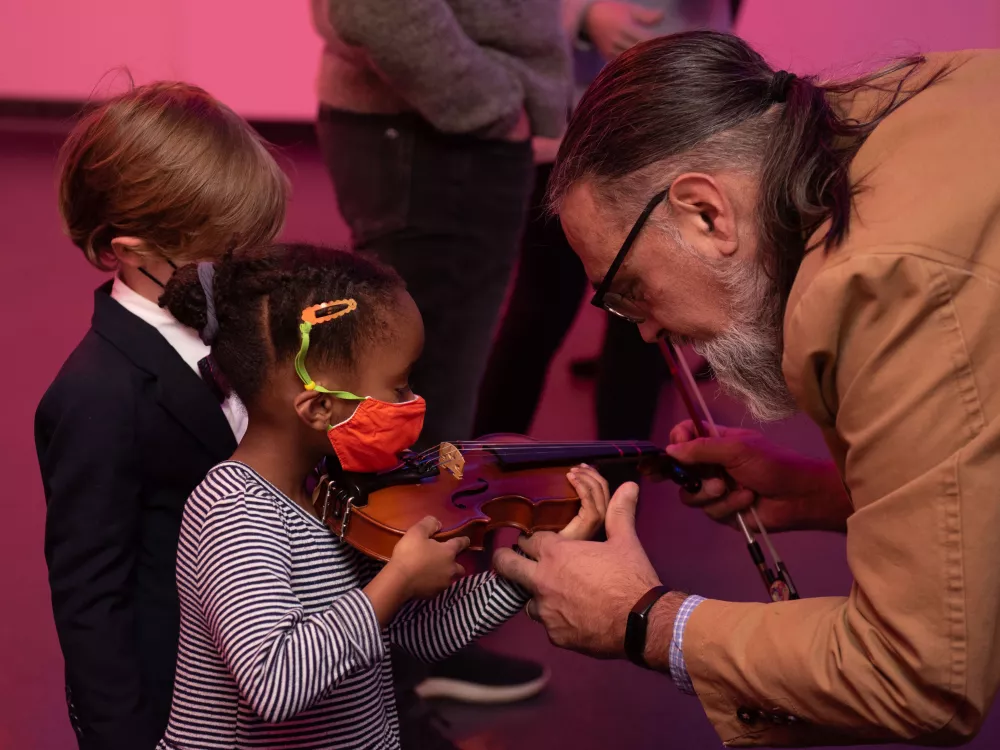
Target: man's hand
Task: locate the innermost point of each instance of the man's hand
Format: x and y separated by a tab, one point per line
614	27
521	130
545	149
791	492
583	591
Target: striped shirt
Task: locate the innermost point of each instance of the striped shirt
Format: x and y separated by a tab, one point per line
279	646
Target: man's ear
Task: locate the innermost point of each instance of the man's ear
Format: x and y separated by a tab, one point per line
319	411
129	251
705	214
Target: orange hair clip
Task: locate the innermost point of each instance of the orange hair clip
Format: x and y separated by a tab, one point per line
312	314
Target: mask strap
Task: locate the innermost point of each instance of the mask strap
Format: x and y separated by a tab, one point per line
316	315
152	278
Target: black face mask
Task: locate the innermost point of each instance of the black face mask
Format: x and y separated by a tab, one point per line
152	278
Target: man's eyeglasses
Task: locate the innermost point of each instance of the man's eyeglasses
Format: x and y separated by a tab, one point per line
613	302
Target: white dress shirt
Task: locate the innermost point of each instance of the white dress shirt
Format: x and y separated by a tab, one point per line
185	342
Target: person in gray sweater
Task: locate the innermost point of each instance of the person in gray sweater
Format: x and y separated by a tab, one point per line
427	111
630	373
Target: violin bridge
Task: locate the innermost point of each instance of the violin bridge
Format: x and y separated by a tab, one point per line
451	459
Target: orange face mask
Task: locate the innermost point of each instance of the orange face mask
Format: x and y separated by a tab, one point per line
372	438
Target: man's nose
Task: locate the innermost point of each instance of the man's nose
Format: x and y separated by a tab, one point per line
650	331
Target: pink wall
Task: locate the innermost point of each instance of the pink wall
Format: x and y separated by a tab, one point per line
260	56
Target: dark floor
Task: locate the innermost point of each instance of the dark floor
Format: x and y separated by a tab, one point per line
591	704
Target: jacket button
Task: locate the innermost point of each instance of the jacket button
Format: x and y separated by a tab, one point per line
747	715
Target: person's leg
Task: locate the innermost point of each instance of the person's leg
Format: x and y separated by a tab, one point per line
446	212
541	308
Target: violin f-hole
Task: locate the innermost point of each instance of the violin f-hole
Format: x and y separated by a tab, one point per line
480	487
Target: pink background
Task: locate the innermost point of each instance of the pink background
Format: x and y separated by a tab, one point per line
260	57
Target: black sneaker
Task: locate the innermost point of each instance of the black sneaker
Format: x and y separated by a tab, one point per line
475	675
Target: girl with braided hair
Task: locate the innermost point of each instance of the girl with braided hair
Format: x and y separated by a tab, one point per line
285	629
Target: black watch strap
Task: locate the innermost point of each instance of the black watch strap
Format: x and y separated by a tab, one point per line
638	621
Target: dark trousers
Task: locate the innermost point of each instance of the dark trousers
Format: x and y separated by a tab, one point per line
548	288
446	212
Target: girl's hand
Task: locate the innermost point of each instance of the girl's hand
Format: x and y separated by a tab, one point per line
594	497
425	566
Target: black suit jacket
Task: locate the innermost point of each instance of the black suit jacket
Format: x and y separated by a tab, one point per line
124	434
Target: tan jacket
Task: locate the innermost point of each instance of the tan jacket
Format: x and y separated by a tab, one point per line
892	346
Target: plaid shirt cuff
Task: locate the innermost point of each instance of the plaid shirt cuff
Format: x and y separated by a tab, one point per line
678	668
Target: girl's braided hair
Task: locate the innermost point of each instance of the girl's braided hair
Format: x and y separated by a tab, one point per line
259	297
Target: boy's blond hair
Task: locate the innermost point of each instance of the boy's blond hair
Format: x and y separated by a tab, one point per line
170	165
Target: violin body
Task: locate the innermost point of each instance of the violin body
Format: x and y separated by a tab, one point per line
473	489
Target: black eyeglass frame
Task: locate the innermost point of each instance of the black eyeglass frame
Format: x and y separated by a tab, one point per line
603	297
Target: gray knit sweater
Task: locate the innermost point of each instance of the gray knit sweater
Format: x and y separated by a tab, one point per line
466	66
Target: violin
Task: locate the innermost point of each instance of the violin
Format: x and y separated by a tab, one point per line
476	487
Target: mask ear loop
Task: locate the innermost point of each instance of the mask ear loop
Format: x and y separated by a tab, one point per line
310	319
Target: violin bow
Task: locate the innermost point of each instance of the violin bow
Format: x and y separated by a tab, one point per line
777	581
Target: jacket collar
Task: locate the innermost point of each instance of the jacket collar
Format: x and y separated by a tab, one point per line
178	388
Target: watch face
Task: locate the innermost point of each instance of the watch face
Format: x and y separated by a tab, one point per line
780	592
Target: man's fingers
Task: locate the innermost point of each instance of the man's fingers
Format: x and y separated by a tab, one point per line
683	432
737	501
534	546
722	451
458	571
621	511
515	568
646	16
711	490
531	610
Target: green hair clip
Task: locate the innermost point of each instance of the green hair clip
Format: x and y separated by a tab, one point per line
314	316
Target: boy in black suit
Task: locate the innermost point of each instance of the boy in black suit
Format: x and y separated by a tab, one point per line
158	177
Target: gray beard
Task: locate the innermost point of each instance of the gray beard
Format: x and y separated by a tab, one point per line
747	357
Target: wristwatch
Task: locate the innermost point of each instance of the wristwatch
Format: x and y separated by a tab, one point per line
638	621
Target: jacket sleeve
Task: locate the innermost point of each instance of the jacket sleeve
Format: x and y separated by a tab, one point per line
421	49
85	445
891	355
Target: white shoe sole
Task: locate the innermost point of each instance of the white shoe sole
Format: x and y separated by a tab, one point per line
469	692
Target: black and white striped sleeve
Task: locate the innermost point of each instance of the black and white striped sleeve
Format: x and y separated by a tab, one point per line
283	660
433	629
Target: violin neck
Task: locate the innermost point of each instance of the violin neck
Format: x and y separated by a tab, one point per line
532	454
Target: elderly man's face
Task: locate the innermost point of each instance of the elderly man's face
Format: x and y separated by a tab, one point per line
701	283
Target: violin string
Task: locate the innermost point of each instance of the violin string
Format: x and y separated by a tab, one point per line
514	451
520	451
485	445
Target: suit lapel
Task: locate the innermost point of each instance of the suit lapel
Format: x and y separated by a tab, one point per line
178	388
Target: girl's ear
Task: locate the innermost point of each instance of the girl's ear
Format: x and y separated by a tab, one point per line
319	411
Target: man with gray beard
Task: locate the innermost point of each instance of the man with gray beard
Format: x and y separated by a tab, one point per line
832	248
